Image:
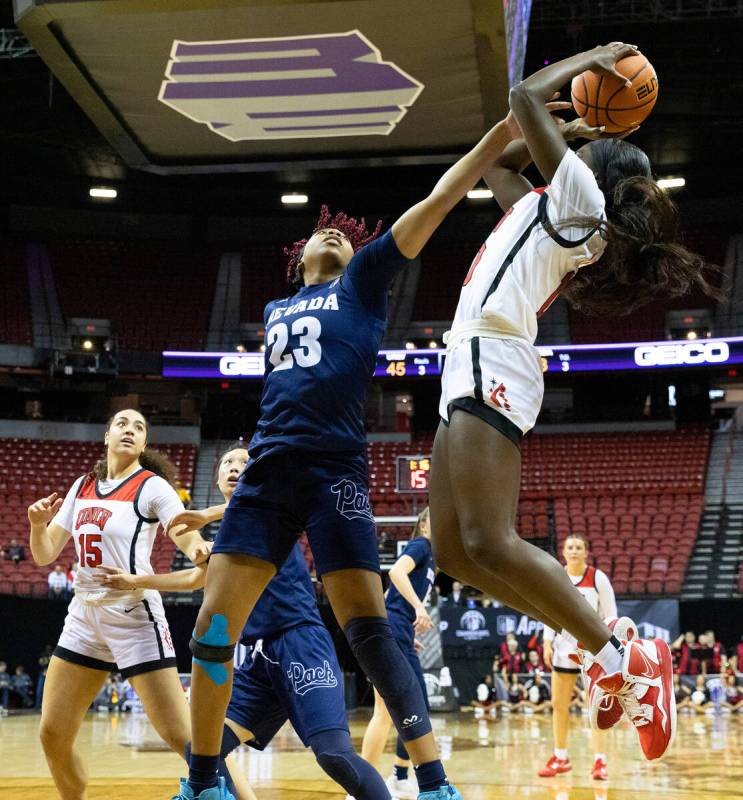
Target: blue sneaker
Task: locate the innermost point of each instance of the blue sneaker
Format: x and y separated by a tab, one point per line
218	792
447	792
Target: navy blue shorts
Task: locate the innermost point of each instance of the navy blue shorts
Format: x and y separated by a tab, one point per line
294	676
281	494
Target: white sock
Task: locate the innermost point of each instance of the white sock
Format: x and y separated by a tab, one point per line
610	656
601	756
561	754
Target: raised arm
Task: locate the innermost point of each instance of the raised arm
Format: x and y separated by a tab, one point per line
527	100
46	540
184	527
399	575
504	177
416	226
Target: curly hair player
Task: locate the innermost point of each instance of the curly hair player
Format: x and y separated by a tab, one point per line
605	235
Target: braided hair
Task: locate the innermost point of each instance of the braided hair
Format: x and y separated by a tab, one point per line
354	229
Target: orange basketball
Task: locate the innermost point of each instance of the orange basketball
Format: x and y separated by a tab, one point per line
606	100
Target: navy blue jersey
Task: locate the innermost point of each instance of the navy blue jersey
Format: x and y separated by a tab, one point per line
421	578
321	350
288	601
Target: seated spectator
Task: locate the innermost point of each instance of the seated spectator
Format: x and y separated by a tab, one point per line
733	697
23	686
71	578
486	697
700	697
685	650
709	654
456	598
537	693
16	552
682	692
44	660
3	553
57	583
104	700
515	694
511	658
183	493
534	663
4	687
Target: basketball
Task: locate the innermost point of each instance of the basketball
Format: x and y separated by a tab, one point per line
602	99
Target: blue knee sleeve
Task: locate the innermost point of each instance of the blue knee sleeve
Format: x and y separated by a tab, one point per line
335	754
385	665
213	650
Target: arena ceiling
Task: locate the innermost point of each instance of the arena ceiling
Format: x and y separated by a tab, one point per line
54	141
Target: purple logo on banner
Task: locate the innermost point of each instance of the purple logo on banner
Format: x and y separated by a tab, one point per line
294	87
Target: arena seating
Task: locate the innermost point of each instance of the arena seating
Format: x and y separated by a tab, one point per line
263	279
15	309
157	296
638	498
32	468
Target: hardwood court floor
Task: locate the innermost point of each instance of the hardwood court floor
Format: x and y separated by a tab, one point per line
487	760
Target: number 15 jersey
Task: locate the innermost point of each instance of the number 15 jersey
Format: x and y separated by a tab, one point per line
321	351
114	523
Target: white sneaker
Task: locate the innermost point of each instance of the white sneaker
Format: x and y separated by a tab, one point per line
402	790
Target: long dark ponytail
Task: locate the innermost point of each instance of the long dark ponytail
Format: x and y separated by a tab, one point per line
643	256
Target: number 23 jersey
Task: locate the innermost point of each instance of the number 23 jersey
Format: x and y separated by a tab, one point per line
115	523
321	351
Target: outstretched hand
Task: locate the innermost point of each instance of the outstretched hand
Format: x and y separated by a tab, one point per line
187	521
580	129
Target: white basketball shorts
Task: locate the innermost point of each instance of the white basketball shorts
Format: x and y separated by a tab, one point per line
499	380
130	638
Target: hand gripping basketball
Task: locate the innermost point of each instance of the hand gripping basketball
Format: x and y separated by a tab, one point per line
605	59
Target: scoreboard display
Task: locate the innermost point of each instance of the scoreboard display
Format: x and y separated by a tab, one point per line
397	364
413	473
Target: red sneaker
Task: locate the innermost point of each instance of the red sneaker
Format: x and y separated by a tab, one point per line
600	770
603	710
555	766
644	689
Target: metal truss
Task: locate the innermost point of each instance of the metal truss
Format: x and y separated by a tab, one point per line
559	13
13	44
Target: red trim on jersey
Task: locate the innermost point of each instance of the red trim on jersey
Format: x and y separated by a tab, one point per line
551	299
124	493
540	189
588	581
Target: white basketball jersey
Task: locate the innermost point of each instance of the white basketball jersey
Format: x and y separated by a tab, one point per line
596	588
115	523
528	258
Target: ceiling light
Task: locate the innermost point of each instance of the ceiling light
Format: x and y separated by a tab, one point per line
294	199
479	194
433	344
87	344
671	183
410	345
103	192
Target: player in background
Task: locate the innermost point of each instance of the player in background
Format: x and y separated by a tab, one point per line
605	235
292	673
308	470
113	514
411	579
560	649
